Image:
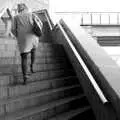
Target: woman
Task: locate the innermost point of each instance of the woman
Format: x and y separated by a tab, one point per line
27	41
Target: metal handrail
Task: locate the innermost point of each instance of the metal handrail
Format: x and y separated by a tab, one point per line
86	70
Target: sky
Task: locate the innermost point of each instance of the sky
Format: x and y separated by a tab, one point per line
77	5
85	5
80	5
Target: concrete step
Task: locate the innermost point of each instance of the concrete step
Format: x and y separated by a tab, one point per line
41	60
32	87
8	48
45	60
45	111
11	41
14	48
4	69
40	98
4	54
88	114
71	113
10	79
10	44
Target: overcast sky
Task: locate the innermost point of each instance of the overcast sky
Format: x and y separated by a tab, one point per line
86	5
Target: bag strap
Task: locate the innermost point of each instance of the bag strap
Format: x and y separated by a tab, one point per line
16	28
34	16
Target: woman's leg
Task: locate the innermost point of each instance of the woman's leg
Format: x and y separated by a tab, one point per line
24	66
32	59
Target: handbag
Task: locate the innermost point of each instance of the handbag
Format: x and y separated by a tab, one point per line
37	25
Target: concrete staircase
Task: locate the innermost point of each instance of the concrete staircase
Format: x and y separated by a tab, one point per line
53	92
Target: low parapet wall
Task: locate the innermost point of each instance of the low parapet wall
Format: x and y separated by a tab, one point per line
103	68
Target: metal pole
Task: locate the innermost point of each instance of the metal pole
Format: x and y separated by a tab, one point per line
100	18
109	18
118	18
82	19
91	19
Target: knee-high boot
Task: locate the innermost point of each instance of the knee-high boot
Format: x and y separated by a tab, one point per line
24	66
32	59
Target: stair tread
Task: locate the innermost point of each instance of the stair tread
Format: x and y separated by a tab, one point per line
37	109
10	66
8	79
43	62
9	85
70	114
44	92
19	73
33	82
51	79
39	60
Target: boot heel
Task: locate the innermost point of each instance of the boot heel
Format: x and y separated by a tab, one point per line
25	79
31	69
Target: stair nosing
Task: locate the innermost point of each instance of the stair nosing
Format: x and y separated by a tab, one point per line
37	81
20	73
71	113
25	113
28	96
19	64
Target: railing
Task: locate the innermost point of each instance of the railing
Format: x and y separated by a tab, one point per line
97	72
96	18
86	70
100	18
45	12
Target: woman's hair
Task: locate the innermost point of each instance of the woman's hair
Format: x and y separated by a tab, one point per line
22	7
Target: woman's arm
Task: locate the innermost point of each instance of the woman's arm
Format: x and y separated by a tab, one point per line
14	26
9	13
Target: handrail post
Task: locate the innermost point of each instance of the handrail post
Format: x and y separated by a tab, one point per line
109	18
100	18
82	19
91	18
118	18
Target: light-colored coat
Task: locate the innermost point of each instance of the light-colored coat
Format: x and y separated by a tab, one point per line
22	28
